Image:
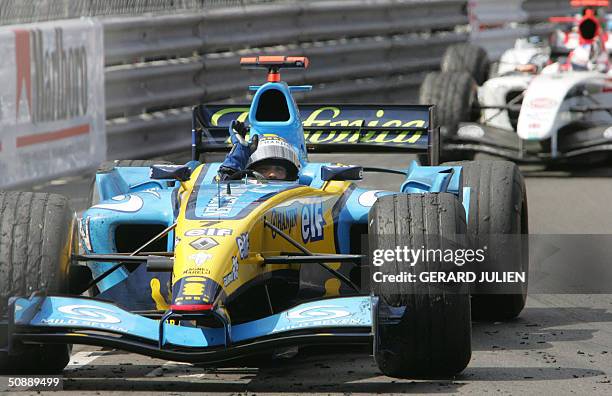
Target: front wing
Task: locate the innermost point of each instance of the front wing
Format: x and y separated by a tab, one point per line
78	320
473	137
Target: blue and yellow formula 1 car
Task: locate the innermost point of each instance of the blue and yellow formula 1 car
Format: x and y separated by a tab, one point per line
180	264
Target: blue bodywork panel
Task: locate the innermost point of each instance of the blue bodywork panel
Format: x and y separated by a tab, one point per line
128	196
88	314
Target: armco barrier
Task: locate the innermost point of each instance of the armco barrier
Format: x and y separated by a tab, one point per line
495	25
157	67
14	12
361	50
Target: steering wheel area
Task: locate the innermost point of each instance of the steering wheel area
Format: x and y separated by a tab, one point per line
248	172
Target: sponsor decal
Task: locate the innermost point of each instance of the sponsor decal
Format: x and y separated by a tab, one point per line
200	258
84	233
284	219
320	312
326	116
193	289
332	116
80	322
276	139
89	313
58	73
368	198
329	116
313	222
243	245
221	206
198	271
133	204
533	115
153	192
543	103
233	275
204	243
209	232
51	105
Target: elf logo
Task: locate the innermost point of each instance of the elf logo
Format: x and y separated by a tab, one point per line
313	222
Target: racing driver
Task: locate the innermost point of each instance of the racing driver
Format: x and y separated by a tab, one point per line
272	157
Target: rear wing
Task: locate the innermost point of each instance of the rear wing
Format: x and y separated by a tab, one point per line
332	128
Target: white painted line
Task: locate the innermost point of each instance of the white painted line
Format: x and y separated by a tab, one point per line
84	358
159	371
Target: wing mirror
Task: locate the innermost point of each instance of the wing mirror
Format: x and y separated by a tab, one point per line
182	173
341	172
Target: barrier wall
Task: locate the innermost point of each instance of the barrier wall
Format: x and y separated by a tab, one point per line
52	99
360	51
152	67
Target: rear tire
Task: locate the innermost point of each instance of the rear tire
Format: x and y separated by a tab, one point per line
38	236
432	336
468	58
498	208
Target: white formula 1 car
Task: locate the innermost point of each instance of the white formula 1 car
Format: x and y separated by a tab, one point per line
529	112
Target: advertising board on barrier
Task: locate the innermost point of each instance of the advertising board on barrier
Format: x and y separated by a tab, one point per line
52	99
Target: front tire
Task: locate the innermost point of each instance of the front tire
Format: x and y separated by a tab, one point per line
498	219
465	57
37	239
455	97
420	330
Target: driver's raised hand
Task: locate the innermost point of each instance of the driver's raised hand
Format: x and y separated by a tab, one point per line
238	132
238	157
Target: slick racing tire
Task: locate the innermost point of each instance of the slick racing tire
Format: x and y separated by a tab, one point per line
108	166
421	330
37	238
467	58
455	96
498	220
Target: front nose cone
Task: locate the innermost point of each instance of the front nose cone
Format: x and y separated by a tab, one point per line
194	293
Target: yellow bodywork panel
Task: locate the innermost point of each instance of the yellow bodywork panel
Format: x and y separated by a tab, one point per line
230	251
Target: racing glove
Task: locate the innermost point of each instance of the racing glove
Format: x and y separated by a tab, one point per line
238	157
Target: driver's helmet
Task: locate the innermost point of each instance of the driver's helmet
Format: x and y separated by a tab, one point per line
581	57
275	151
589	57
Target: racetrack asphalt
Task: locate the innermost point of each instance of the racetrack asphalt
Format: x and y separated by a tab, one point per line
561	344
